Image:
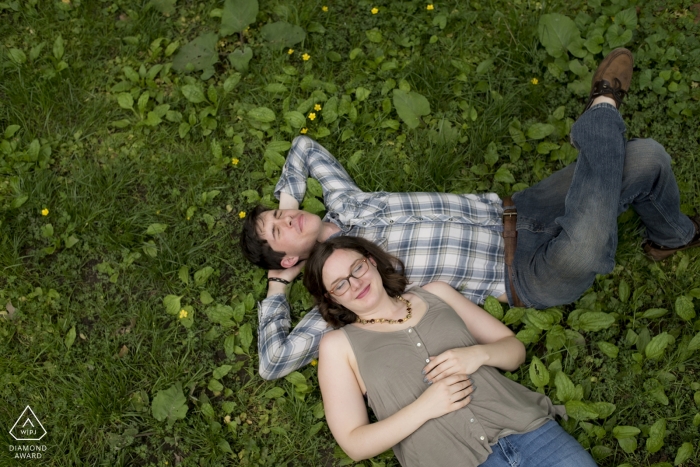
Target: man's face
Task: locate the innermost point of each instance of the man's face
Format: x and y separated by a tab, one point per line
290	231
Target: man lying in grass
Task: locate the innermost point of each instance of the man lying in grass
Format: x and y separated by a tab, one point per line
566	226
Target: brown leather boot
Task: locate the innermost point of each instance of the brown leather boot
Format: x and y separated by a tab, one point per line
658	252
613	76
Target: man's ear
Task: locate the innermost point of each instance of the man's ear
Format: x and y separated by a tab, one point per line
289	261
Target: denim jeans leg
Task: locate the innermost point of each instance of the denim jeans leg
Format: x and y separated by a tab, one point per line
547	446
647	185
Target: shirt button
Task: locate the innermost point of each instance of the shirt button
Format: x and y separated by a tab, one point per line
427	360
481	438
471	420
418	344
391	221
409	330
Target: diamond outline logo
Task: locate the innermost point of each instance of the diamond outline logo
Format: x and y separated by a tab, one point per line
30	419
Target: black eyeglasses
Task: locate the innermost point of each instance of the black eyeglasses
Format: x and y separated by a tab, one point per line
359	270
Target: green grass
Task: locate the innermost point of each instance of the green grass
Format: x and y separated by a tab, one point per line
105	183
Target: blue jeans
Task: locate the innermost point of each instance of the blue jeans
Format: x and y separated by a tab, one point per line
567	223
547	446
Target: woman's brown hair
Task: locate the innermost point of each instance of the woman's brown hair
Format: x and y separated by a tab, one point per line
390	268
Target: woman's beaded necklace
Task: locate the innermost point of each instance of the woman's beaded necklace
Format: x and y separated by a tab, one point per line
389	321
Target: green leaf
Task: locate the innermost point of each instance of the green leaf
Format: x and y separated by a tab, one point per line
172	304
629	445
657	346
150	249
410	106
684	308
193	93
603	409
282	34
237	15
200	54
593	321
240	58
17	56
11	130
503	175
220	314
231	82
617	37
205	297
556	31
70	337
58	48
274	393
565	387
276	88
374	35
513	316
556	338
155	229
653	313
540	130
594	43
622	432
295	119
245	333
224	446
47	231
201	276
296	378
494	307
221	371
262	114
580	410
184	274
627	18
611	350
166	7
125	101
694	343
362	94
71	241
656	436
539	375
230	346
528	335
169	404
685	452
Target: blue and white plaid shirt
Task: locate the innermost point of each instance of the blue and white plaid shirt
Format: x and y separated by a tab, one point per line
438	236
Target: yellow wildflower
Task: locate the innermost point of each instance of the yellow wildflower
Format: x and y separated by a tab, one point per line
317	107
534	81
375	10
290	51
324	8
241	215
227	419
183	314
234	161
306	57
430	7
314	362
303	130
45	212
312	116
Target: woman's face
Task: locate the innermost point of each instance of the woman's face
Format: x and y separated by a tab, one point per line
362	293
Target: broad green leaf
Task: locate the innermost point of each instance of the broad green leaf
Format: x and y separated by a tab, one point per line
71	241
603	409
274	393
184	274
205	297
239	312
374	35
166	7
503	175
201	276
580	410
70	337
362	94
565	388
240	58
694	343
245	333
193	93
513	316
262	114
657	346
169	404
221	371
231	82
224	446
282	34
623	291
556	31
685	453
494	307
528	335
539	375
199	54
220	314
617	37
47	231
172	304
276	88
296	378
593	321
410	106
17	56
251	196
230	346
540	130
656	436
150	249
556	338
155	229
653	313
237	15
484	67
295	119
545	147
627	18
624	431
274	158
611	350
314	188
125	101
11	130
629	445
684	308
58	48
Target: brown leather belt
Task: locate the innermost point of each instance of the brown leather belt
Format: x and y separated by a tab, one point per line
510	237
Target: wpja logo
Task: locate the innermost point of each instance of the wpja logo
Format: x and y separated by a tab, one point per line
28	428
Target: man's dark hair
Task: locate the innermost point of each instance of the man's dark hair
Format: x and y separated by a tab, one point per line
256	249
390	268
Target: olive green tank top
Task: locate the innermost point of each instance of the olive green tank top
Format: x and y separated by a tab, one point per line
390	364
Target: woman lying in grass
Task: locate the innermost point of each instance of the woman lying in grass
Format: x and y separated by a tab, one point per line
418	357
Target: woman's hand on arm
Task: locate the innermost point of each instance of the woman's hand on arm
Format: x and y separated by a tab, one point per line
346	412
498	346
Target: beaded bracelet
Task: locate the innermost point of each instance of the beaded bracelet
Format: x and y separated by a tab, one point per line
278	279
